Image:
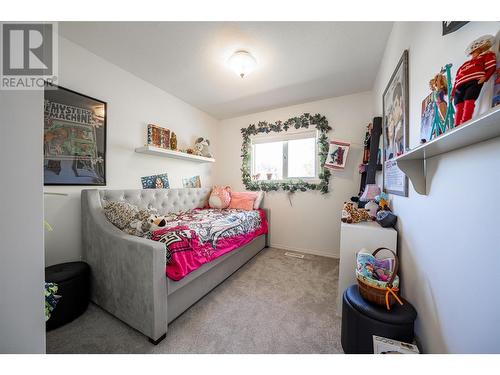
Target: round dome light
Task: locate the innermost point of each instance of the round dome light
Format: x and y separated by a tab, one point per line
242	63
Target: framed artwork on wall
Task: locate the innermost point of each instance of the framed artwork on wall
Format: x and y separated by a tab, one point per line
74	138
395	127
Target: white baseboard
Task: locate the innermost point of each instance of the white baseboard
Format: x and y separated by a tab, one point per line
306	251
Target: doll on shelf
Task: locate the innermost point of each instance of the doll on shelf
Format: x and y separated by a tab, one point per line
471	76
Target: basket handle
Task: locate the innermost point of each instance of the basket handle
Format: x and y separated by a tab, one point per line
396	265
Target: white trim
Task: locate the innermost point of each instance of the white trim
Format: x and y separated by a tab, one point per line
322	253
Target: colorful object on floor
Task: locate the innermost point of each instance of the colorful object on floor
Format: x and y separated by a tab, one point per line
199	236
220	197
472	75
51	299
352	215
378	281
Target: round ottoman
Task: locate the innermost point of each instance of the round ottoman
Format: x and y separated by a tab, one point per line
72	280
362	319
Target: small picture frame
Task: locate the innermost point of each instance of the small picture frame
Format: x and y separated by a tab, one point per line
191	182
158	136
159	181
337	155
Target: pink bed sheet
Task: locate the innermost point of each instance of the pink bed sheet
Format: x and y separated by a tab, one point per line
200	236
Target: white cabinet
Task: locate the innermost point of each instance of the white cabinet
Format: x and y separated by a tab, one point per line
353	238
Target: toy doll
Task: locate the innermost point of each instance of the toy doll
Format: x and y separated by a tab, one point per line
471	77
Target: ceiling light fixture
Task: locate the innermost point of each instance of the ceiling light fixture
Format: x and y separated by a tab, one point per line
242	63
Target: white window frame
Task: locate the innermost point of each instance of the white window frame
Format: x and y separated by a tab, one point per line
289	135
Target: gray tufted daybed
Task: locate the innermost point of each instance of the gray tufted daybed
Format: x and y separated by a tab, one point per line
128	273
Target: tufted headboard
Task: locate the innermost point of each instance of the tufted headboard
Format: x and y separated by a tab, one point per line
164	200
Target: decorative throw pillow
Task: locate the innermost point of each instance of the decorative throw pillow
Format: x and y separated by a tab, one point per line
243	200
258	200
220	197
120	214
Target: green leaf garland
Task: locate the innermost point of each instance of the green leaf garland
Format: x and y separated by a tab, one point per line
303	121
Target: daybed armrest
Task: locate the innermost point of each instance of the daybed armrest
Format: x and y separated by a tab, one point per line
127	272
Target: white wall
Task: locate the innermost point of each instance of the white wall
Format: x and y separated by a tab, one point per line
312	223
22	321
449	239
132	104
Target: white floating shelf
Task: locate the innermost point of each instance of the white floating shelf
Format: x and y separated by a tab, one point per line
479	129
151	150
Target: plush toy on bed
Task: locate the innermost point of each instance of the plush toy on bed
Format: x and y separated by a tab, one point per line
220	197
132	220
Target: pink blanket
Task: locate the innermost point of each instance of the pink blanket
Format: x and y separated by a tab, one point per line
197	237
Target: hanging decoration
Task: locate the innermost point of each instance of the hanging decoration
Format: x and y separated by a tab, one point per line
303	121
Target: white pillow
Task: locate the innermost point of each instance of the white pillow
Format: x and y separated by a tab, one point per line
258	200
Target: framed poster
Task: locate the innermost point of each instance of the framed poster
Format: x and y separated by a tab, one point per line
337	155
395	127
74	138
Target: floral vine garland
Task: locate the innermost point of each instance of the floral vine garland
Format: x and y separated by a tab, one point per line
305	121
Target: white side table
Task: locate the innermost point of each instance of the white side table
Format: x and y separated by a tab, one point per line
353	238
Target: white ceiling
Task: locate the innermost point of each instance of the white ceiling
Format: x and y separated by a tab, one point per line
297	61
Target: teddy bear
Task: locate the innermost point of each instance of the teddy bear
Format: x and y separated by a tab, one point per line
201	147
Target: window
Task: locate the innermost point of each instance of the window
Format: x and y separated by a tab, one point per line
285	157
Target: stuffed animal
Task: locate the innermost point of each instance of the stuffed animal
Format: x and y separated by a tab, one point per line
220	197
351	214
383	202
149	224
201	147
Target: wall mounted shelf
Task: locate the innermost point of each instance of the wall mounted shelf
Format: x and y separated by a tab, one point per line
151	150
480	129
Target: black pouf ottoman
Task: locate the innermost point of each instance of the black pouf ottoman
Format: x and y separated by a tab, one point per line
362	319
73	281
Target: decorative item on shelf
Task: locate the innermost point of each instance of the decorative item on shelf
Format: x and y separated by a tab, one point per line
378	280
256	177
155	182
353	215
337	155
158	136
74	138
191	182
471	77
442	111
304	121
189	151
173	141
201	147
269	176
395	127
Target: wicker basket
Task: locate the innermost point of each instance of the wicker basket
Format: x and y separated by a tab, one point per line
381	296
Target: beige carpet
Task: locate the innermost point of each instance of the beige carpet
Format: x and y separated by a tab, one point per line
273	304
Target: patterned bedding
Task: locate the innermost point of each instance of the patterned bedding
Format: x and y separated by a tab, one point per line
199	236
